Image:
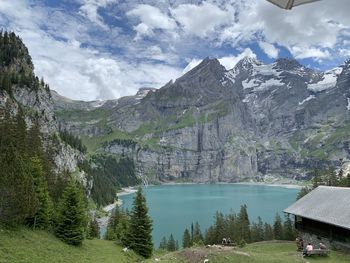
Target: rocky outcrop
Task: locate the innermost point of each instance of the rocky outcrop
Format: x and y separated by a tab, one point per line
212	125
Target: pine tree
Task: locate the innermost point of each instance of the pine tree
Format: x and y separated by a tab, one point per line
186	239
260	229
111	232
94	229
244	224
140	232
278	228
163	243
17	196
288	229
43	215
71	218
197	234
268	232
171	246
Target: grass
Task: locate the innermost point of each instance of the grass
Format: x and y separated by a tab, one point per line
262	252
23	245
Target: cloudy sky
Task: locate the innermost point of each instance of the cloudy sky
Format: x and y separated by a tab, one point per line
104	49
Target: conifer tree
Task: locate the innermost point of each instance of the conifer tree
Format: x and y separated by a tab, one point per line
43	214
71	217
171	246
111	232
186	239
94	229
17	197
244	224
268	232
260	229
278	228
163	243
288	229
197	234
140	231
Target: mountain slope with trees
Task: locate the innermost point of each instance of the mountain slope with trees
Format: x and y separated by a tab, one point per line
260	122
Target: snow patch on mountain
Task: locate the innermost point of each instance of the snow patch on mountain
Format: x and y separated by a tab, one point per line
348	106
307	99
328	81
259	85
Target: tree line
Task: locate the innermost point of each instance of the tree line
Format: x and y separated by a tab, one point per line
72	140
14	52
328	177
31	193
109	174
234	227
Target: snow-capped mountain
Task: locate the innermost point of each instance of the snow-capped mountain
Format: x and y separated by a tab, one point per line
212	124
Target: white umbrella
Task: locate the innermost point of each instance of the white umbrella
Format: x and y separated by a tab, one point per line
289	4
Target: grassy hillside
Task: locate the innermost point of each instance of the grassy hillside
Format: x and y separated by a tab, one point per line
23	245
262	252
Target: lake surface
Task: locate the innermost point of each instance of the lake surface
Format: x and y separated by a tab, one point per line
174	207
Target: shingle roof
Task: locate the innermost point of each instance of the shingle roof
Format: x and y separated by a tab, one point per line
325	204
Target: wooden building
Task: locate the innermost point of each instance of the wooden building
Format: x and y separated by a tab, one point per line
323	215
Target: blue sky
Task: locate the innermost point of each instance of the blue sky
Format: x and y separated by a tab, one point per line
105	49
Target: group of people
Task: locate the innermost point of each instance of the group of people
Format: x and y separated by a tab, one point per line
226	241
309	247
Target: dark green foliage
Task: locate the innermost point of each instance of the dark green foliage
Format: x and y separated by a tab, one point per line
140	231
238	229
94	229
163	243
289	231
197	237
326	177
268	232
244	224
186	239
122	142
303	191
73	141
118	226
43	214
17	193
109	175
278	228
171	246
16	67
71	216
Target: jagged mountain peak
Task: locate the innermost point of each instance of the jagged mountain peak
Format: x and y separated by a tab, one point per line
248	62
208	67
287	64
144	91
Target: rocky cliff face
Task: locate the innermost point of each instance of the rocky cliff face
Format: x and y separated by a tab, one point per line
253	122
21	89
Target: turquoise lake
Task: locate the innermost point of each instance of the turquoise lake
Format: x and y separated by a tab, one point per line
174	207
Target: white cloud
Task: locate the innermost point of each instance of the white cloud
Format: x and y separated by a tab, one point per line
192	64
90	10
309	27
75	71
201	19
151	18
230	61
269	49
309	52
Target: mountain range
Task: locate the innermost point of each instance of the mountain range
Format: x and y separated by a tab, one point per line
255	122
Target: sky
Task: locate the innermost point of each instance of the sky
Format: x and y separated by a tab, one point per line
105	49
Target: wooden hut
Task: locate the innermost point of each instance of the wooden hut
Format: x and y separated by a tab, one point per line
323	215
